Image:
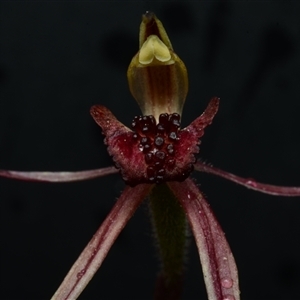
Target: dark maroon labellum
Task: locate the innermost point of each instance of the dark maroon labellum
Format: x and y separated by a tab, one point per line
153	153
158	143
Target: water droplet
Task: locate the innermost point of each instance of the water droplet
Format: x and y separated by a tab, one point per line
251	182
158	164
229	297
159	179
147	148
170	162
161	172
80	274
144	140
159	141
170	149
94	252
163	118
189	196
173	135
160	155
160	128
227	283
145	129
149	158
151	173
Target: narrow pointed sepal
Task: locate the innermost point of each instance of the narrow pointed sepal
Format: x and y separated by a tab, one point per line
121	145
57	176
250	183
94	253
218	265
196	128
190	136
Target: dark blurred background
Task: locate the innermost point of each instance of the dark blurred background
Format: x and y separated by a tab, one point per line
57	59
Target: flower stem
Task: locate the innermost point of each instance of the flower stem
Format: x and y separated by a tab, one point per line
169	224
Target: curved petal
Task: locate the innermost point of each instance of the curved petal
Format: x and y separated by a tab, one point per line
121	145
190	137
197	126
249	183
218	265
58	176
94	253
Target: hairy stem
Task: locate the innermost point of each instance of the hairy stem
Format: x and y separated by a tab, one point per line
170	229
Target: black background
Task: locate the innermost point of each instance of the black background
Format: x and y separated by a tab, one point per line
59	58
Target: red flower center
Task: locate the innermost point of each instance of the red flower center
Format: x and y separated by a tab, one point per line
158	143
153	153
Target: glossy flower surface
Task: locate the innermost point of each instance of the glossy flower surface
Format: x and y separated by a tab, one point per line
153	153
158	151
155	159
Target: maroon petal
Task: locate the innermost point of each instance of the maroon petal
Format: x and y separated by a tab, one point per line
249	182
94	253
189	136
197	126
121	145
218	265
58	176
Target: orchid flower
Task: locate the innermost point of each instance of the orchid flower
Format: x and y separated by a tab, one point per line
155	159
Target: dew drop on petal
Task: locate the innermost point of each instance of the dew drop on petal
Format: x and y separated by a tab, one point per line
159	141
227	283
80	274
160	155
149	158
161	172
173	135
170	149
229	297
251	182
94	252
147	148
